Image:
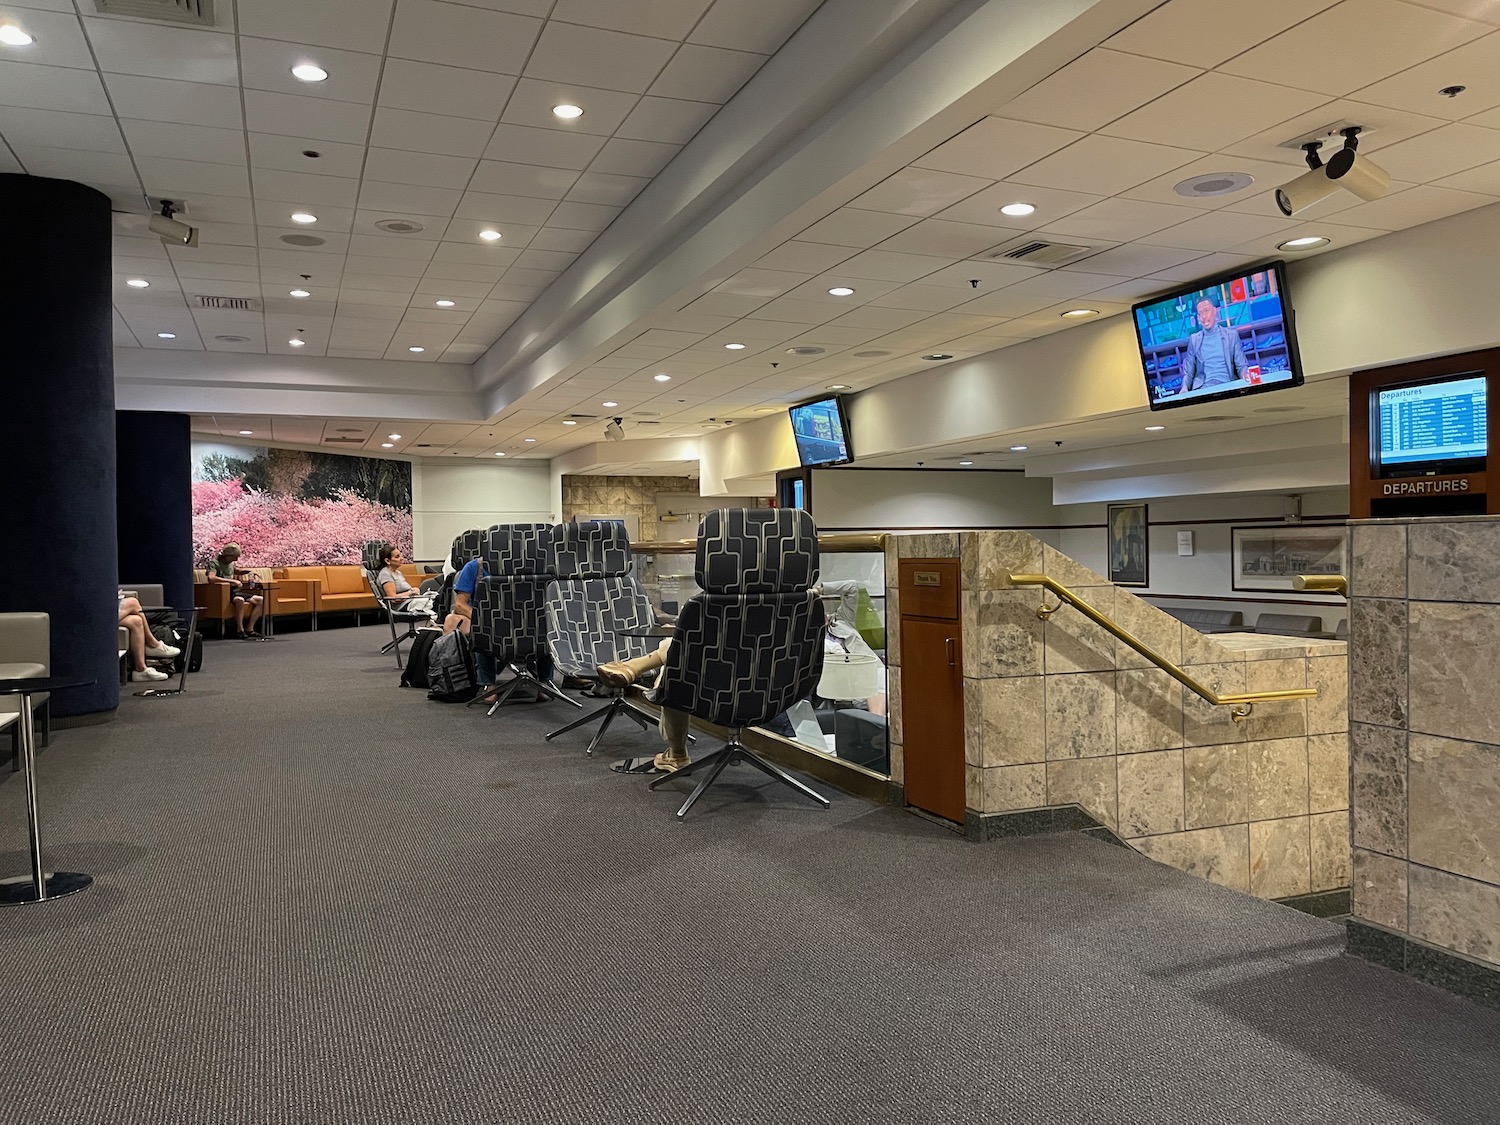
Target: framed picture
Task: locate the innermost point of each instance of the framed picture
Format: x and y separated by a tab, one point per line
1268	558
1125	526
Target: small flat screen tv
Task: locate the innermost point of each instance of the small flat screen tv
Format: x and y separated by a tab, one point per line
1437	427
822	432
1219	338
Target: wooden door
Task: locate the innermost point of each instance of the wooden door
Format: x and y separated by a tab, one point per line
932	689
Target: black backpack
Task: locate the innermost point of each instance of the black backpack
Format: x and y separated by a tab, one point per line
415	673
450	669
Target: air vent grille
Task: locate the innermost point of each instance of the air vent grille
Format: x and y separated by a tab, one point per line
240	304
1036	253
343	441
199	13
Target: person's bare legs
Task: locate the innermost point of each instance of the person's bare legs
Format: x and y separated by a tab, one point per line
257	607
239	616
456	621
132	606
135	624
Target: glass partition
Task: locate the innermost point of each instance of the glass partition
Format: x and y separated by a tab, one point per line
844	718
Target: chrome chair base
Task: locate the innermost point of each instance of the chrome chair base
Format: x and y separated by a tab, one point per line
734	751
522	677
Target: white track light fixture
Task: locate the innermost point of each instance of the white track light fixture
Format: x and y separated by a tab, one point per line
169	229
1359	174
1308	188
614	431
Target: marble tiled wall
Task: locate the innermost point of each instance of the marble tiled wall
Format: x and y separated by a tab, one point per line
622	496
1059	713
1424	634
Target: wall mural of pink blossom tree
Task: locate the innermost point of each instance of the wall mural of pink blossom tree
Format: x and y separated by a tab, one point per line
286	507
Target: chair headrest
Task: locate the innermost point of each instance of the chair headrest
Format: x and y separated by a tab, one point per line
595	549
757	551
369	554
465	547
517	548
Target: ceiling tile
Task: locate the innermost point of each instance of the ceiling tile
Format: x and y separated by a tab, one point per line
919	192
995	147
1218	230
614	191
57	39
610	60
603	110
706	74
215	209
983	208
1442	152
1206	32
1095	89
945	239
1374	39
1475	65
515	236
296	116
501	178
380	196
760	283
804	257
1486	10
1485	179
461	35
277	213
751	25
451	90
883	265
266	64
1410	208
1104	165
477	254
990	274
583	216
849	226
1136	260
353	25
1119	220
298	187
621	157
1257	106
420	168
53	87
1383	127
188	177
157	50
1265	176
666	119
502	209
665	19
429	132
88	131
1206	266
557	238
285	154
550	148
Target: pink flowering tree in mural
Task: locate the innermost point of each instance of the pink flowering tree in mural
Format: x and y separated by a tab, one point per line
280	530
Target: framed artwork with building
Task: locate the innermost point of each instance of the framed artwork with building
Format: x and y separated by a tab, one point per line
1125	528
1269	558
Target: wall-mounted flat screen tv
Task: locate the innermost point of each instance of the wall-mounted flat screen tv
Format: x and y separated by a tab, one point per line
1220	338
822	432
1440	426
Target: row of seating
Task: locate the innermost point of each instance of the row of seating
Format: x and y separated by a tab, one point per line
297	591
1280	624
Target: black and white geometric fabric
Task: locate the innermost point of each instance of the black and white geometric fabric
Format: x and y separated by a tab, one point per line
369	554
592	599
465	547
751	644
510	621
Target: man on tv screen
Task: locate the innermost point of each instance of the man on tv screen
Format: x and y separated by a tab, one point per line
1214	353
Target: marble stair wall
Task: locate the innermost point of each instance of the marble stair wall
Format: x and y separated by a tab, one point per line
1424	734
1058	713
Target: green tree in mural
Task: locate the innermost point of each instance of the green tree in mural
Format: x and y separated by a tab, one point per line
219	467
288	471
375	478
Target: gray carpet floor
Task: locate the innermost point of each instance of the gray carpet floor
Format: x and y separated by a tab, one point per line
322	899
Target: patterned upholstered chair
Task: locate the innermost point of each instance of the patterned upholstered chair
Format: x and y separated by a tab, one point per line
509	608
594	603
465	548
751	644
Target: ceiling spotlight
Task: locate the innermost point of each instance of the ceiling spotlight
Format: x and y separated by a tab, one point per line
414	348
294	342
530	440
1017	210
838	386
13	36
138	283
246	433
445	303
490	235
1359	174
937	356
166	335
1154	429
735	347
609	404
304	217
1306	243
614	431
567	112
169	229
966	463
1079	314
394	437
499	455
1019	448
1308	188
386	445
569	422
307	72
841	291
662	378
301	293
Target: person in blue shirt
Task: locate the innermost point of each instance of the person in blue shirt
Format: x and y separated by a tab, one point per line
465	588
1214	353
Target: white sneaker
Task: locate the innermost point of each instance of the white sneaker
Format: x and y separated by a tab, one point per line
148	674
162	651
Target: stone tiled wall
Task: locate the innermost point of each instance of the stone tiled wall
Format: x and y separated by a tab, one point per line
622	496
1424	745
1058	713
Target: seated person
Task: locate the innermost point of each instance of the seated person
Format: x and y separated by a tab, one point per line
244	590
143	642
462	617
397	590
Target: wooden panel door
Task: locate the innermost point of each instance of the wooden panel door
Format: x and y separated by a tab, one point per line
932	689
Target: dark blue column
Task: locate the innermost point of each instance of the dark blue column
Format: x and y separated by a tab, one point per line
57	427
154	491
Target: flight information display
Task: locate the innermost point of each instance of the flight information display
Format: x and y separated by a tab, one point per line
1434	423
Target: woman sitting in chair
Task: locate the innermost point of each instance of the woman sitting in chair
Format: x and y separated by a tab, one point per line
397	590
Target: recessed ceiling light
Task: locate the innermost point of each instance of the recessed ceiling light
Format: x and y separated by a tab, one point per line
966	462
297	343
838	386
13	36
1017	209
246	433
166	335
1019	448
1079	314
307	72
304	217
937	356
490	235
567	112
569	422
1305	243
609	404
394	437
301	293
530	440
386	445
841	291
499	455
1153	429
414	348
735	347
445	303
662	378
138	283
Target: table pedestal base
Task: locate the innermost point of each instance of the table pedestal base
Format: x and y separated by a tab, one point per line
21	890
158	692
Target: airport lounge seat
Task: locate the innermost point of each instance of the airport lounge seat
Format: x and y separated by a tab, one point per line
1289	625
1210	620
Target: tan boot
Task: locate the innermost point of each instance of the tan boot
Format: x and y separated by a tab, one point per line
667	763
623	673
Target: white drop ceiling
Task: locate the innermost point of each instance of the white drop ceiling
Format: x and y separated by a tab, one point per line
439	112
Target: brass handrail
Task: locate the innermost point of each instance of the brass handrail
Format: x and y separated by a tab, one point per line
1240	703
1321	583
